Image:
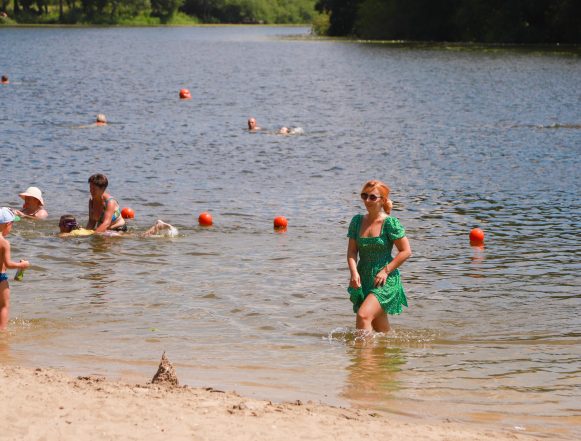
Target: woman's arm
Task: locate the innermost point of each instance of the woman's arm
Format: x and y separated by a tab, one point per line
91	222
41	214
23	215
355	281
404	253
107	216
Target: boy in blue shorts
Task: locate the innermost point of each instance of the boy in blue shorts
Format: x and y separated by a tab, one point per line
7	218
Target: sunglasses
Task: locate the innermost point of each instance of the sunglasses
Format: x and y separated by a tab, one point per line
69	224
371	197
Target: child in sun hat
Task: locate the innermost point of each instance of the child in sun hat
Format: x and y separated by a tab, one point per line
7	218
33	207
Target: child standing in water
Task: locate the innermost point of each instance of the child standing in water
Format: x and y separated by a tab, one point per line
7	219
375	287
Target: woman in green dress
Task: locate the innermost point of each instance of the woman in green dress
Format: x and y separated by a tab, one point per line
371	237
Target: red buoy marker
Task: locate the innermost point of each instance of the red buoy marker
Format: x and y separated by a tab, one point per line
280	223
205	219
128	213
185	94
476	236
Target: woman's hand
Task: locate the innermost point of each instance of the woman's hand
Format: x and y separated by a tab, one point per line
355	281
380	277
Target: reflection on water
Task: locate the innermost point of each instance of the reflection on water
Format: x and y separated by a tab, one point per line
372	376
463	138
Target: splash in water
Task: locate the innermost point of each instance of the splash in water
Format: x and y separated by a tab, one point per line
399	336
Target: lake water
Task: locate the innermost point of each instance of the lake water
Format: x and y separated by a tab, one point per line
464	137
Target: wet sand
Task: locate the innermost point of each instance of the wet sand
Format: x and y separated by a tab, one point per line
49	405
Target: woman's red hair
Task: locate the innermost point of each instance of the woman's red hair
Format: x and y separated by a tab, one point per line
383	191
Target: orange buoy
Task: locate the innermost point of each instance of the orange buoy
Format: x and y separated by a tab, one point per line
205	219
280	222
476	236
128	213
185	94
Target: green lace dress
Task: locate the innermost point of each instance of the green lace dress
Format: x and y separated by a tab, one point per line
374	254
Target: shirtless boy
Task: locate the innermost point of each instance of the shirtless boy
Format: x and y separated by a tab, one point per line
7	218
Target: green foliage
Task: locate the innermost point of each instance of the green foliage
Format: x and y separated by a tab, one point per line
6	21
152	12
321	24
412	20
507	21
165	9
342	15
251	11
181	19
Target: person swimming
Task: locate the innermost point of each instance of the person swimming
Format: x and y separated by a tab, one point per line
69	227
252	125
5	79
101	119
290	131
33	207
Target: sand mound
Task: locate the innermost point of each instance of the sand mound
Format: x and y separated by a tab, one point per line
166	374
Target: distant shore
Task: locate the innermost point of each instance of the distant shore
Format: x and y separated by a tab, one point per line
151	25
47	404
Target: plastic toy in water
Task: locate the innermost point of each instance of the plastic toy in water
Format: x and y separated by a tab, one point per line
19	275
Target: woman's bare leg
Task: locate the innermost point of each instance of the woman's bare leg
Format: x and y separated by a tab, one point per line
369	311
381	323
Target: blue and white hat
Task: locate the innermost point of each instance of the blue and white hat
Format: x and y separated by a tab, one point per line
7	216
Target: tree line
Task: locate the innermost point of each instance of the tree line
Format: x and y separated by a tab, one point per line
156	11
488	21
503	21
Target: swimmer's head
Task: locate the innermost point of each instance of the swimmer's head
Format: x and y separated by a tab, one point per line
5	79
284	131
251	123
101	119
68	223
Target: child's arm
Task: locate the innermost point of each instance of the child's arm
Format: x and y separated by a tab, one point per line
23	215
8	263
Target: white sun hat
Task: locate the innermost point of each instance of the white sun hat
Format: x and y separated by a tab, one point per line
33	192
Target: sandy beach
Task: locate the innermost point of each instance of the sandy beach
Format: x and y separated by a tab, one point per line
45	404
